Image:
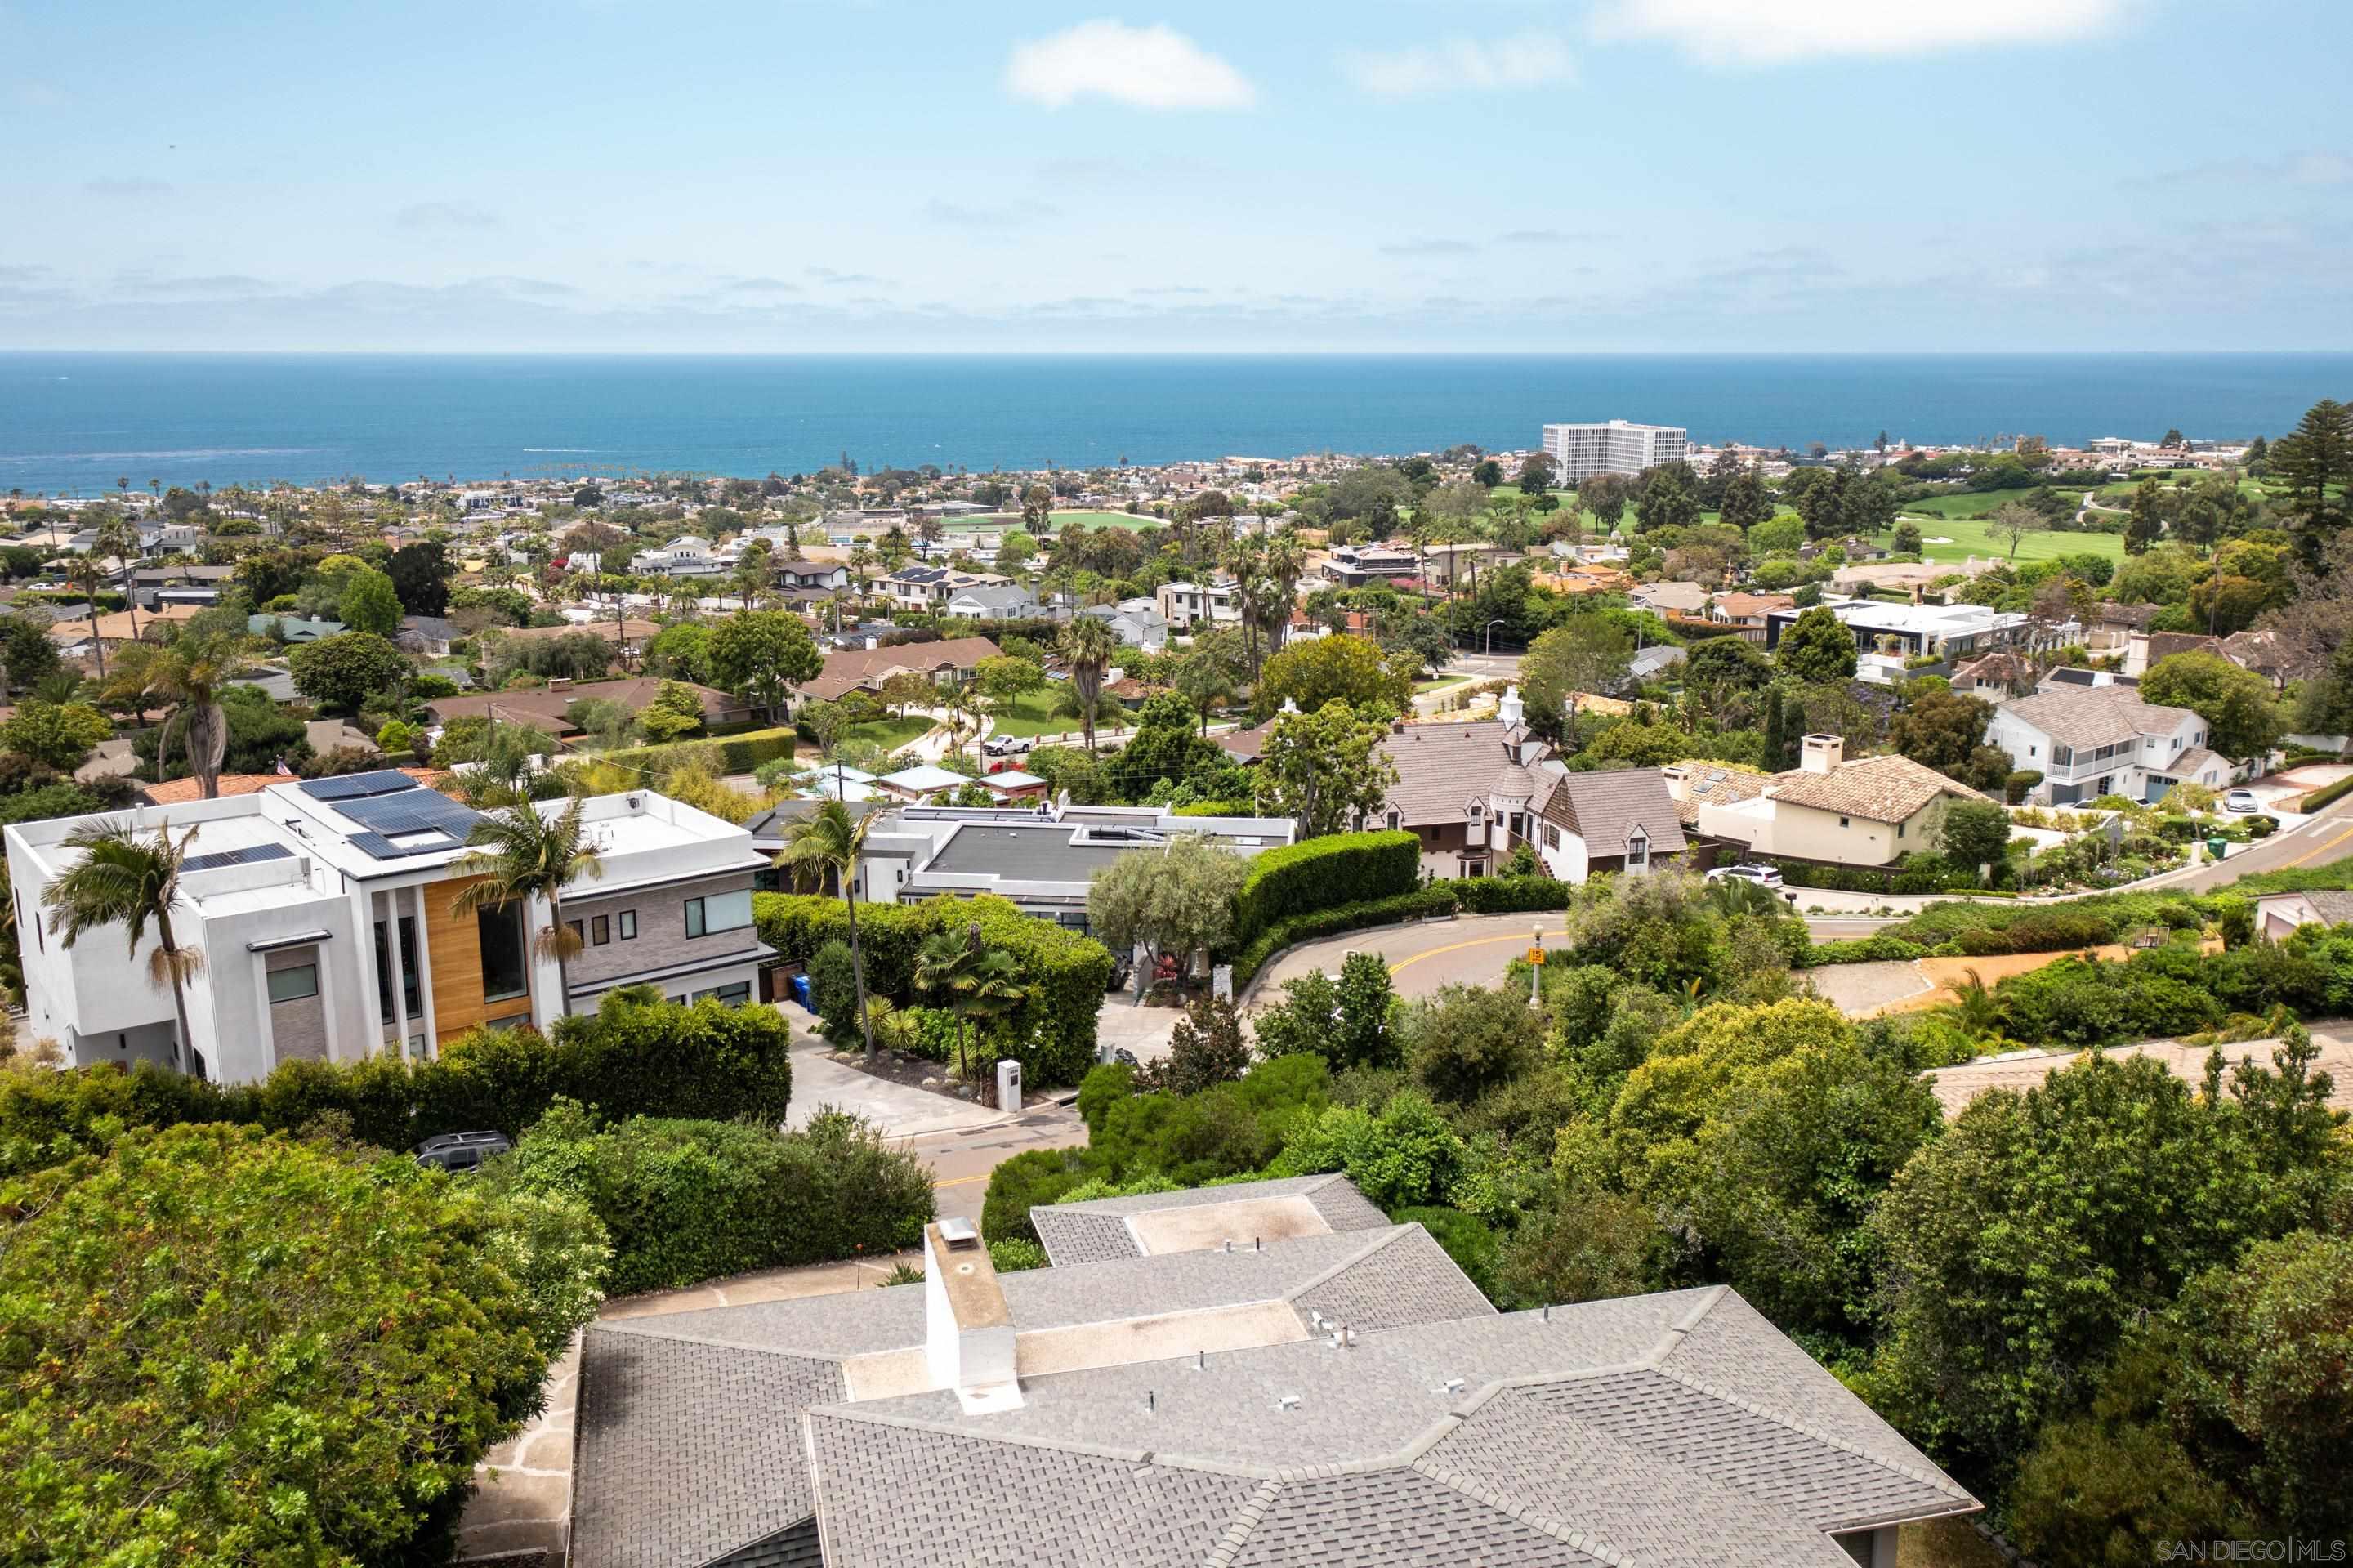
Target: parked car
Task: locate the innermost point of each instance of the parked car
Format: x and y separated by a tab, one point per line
2242	801
1762	875
1007	745
461	1151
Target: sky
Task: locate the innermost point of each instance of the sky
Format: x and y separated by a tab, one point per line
1540	175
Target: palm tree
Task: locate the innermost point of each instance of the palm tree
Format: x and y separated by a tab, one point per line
85	574
119	538
1974	1007
523	854
1089	645
970	979
1202	679
1285	561
190	675
124	880
829	840
961	705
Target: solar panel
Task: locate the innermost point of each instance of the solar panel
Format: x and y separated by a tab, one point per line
415	811
357	786
252	855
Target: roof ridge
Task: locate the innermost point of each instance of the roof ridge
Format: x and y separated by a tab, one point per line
1536	1519
1806	1429
830	1358
1348	1263
1246	1519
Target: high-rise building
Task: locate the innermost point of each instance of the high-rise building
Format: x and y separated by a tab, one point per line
1580	451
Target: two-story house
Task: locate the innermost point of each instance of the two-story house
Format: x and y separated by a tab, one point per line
1870	811
2105	740
326	912
1187	605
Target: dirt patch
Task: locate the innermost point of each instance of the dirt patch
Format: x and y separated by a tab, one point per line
915	1072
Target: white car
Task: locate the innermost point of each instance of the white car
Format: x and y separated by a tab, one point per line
1762	875
2242	801
1007	745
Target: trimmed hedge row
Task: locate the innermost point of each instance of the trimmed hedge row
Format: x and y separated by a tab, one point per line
1915	874
1434	900
726	754
1509	894
2329	794
1340	868
631	1058
1875	949
1051	1033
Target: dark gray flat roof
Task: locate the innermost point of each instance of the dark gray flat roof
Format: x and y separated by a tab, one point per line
1040	854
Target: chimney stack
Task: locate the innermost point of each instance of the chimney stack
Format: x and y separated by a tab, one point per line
1822	753
968	1333
1510	710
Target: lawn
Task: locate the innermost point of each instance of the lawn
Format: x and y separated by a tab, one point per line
890	734
1034	714
1975	538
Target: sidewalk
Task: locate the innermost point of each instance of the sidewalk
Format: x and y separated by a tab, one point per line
820	1083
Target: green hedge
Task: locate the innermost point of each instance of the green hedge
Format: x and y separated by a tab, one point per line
1880	948
1437	899
1914	872
727	754
1051	1033
1341	868
631	1058
1509	894
685	1201
2328	793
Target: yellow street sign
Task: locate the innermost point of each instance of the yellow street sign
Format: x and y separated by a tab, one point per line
1535	956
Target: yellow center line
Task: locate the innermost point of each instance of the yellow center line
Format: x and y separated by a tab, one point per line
1519	937
960	1181
2316	849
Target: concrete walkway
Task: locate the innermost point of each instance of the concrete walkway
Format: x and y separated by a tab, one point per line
820	1083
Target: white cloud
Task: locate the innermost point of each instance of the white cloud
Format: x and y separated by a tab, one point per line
1774	32
1527	59
1147	68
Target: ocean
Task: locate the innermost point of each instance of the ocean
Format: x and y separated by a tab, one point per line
76	423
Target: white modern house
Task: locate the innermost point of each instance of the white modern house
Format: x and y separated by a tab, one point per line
2103	740
293	892
1915	631
687	556
1613	445
1186	605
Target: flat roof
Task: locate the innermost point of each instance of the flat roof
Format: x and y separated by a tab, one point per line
1047	853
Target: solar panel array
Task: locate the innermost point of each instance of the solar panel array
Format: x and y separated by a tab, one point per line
251	855
357	786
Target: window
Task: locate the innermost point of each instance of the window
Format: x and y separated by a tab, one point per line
1551	836
717	912
1899	830
413	1001
294	983
1842	822
628	922
1394	819
1638	851
600	929
579	932
734	995
505	973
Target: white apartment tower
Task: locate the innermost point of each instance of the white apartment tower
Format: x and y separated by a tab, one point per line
1580	451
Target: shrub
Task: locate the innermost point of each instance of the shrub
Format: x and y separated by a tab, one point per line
1467	1240
833	987
2329	794
334	1344
1106	1085
631	1058
1430	902
1205	1049
733	754
1341	868
1510	895
1052	1032
1880	948
1406	1157
1011	1255
2018	786
686	1201
1029	1180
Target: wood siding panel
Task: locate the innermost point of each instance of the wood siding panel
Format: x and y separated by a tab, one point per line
456	947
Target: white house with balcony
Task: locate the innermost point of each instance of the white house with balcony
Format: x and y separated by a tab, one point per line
2103	740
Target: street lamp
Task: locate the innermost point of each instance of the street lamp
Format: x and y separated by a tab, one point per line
1490	635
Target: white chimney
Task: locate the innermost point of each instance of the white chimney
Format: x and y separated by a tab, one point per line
967	1332
1510	709
1822	753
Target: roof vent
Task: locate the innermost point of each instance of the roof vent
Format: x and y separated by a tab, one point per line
1454	1385
959	1234
1288	1401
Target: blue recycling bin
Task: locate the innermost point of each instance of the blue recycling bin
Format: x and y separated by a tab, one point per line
801	993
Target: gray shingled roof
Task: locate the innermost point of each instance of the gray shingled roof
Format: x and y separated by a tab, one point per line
1679	1428
1603	808
688	1426
1441	768
1096	1231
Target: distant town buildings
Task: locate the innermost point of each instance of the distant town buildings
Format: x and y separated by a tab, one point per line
1580	451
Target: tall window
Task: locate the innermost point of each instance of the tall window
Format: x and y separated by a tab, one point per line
1638	851
412	1002
506	973
717	912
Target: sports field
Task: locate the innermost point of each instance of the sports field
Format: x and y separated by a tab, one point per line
1974	538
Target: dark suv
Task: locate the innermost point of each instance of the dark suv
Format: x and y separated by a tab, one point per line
461	1151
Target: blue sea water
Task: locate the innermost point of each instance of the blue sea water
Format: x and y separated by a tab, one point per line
76	422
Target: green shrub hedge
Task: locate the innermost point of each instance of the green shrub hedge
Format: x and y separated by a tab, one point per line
1880	948
726	754
1915	873
630	1057
2328	793
685	1201
1509	894
1437	899
1341	868
1051	1033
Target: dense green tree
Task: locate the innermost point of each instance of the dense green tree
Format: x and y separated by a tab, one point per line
1818	647
369	604
1325	771
1467	1040
761	654
420	574
1322	670
54	734
1974	833
1585	655
2145	525
345	670
2314	461
1941	730
1177	899
2243	717
1746	501
1667	501
27	656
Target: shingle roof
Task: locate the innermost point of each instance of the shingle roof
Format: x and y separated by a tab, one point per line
1671	1429
2103	716
1604	809
1881	788
1441	768
1097	1231
852	668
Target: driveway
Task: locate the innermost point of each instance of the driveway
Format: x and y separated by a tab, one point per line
1469	950
819	1082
